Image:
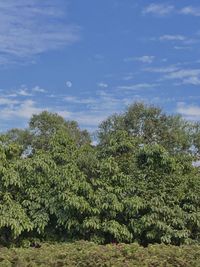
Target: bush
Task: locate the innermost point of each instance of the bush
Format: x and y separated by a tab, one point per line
85	254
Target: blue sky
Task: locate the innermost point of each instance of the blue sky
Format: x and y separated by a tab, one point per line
88	59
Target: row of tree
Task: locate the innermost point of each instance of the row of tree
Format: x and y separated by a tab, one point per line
137	185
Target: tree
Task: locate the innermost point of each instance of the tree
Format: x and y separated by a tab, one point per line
45	125
151	126
138	184
13	218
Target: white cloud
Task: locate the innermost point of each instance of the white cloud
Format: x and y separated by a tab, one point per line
191	112
190	10
102	85
89	119
97	108
31	28
167	69
37	89
136	86
183	73
99	58
23	92
11	95
64	113
161	10
194	80
24	110
77	100
128	77
87	111
182	47
143	59
7	101
168	37
180	41
178	73
158	9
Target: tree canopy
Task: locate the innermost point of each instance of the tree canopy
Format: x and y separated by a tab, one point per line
137	185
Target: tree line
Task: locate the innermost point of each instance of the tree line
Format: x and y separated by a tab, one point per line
138	184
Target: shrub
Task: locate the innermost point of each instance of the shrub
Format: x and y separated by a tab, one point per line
85	254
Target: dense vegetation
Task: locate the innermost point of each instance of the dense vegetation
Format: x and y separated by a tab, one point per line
85	254
137	185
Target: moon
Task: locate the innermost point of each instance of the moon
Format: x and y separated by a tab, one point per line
69	84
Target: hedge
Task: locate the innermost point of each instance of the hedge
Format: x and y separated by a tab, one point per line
85	254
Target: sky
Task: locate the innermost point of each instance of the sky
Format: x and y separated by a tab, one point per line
86	60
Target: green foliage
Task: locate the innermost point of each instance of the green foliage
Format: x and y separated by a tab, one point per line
151	126
45	125
86	254
137	185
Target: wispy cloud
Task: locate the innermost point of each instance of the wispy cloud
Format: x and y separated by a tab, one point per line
23	92
142	59
167	69
185	76
158	9
177	47
29	29
21	110
94	110
78	100
180	41
92	119
193	80
169	37
190	10
128	76
191	112
164	9
177	73
38	89
102	85
137	86
7	101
